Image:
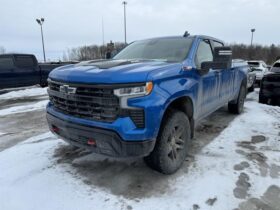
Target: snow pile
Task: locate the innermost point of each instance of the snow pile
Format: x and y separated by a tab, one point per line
30	92
24	108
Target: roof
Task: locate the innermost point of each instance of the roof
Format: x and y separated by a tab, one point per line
16	54
191	36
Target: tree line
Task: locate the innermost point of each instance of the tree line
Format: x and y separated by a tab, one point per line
92	52
269	54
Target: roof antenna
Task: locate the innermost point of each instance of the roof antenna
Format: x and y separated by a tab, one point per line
186	34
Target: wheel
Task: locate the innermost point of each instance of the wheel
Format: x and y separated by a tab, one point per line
238	106
251	89
263	99
172	143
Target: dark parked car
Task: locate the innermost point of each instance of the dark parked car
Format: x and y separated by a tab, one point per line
19	70
270	85
251	79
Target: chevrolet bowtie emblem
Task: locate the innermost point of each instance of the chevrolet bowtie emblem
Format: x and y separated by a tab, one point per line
66	89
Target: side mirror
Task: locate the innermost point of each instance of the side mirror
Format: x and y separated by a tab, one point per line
222	59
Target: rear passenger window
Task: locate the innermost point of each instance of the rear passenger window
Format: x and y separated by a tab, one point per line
24	61
6	63
204	53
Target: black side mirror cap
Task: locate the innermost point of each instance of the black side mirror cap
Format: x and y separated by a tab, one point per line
222	60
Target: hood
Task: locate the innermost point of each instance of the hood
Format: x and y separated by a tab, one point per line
109	71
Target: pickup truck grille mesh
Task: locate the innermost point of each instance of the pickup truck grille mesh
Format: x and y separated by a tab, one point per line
91	102
85	102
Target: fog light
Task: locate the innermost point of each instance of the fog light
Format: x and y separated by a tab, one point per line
55	129
91	142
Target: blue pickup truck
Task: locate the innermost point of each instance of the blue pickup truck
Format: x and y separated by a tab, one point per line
145	101
20	70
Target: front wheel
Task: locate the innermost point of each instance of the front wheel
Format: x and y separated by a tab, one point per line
172	143
238	106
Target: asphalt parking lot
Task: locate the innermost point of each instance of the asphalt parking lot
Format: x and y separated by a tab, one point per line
233	163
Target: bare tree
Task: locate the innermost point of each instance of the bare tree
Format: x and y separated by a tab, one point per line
91	52
2	50
269	54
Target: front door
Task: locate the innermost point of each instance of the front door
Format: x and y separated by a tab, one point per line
209	91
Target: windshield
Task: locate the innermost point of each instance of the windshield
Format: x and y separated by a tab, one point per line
166	49
276	68
254	64
259	70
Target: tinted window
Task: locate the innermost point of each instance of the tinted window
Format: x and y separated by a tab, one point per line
6	63
276	68
218	44
167	49
24	61
254	64
204	53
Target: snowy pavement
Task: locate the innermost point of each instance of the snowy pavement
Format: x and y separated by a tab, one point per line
234	163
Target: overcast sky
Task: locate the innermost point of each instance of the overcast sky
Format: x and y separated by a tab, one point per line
72	23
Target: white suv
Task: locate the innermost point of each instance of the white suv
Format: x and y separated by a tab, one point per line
260	68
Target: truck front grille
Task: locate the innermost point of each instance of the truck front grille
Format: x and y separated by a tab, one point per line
91	102
85	101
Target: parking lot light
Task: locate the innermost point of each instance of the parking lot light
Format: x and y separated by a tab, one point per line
40	22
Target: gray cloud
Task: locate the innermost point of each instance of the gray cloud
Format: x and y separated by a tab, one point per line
71	23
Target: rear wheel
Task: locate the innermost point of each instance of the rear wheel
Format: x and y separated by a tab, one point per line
238	106
172	143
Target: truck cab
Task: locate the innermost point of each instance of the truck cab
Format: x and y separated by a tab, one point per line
146	100
18	70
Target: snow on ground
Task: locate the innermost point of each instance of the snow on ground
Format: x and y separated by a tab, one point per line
24	108
235	170
28	92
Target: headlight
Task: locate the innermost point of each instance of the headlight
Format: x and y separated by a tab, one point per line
134	91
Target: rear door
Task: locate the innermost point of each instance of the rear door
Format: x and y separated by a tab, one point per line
209	91
7	78
27	72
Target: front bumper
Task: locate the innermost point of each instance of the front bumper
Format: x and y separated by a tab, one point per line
102	141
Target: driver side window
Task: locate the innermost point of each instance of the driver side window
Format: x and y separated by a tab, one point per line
204	53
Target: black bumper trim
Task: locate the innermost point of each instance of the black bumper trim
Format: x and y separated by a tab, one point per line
107	142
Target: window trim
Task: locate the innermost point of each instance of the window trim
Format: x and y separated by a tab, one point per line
195	57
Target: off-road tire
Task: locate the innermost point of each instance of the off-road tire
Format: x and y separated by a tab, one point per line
172	143
238	106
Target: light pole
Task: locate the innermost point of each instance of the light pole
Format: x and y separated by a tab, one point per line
124	14
252	37
40	22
